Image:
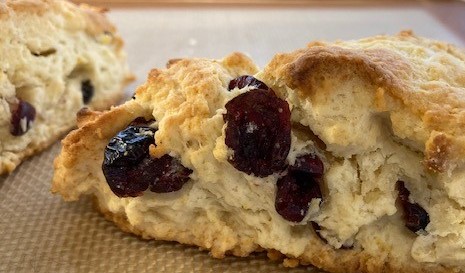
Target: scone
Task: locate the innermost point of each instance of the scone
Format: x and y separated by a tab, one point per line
56	57
348	156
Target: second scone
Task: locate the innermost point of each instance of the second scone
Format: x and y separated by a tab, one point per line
56	57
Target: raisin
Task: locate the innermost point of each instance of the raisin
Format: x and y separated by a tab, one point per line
246	80
129	169
22	115
87	89
169	175
294	193
416	218
309	163
259	132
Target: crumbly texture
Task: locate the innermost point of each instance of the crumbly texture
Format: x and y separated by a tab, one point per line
376	110
48	49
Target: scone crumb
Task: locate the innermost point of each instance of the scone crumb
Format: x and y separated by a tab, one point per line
291	262
157	151
274	255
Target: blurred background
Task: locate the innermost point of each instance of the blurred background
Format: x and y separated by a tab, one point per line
158	30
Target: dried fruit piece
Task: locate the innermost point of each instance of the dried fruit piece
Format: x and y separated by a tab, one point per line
129	169
22	115
130	180
246	80
169	175
259	132
309	163
87	89
416	218
129	146
294	193
127	163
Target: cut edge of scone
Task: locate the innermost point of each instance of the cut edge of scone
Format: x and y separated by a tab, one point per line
353	104
74	59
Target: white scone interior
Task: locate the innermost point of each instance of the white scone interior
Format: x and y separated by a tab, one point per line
362	107
50	50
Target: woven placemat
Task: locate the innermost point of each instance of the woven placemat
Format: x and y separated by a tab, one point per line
39	232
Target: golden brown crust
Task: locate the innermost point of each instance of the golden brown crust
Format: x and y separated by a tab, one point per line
431	93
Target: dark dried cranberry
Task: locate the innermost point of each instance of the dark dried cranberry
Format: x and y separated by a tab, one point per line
129	169
169	175
127	163
22	115
294	193
87	89
246	80
258	131
130	180
416	218
309	163
129	146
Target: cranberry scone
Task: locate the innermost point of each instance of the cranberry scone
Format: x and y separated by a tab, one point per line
348	156
56	57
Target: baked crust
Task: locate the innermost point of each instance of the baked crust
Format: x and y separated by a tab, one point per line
358	104
44	66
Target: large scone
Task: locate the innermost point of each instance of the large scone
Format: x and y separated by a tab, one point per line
353	161
55	57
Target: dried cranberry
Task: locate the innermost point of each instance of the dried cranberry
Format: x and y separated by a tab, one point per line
169	175
294	193
22	115
246	80
416	218
129	169
258	131
309	163
127	162
129	180
87	89
129	146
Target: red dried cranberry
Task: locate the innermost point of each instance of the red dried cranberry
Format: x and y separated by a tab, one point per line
22	115
246	80
87	89
294	193
416	218
309	163
169	175
258	131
